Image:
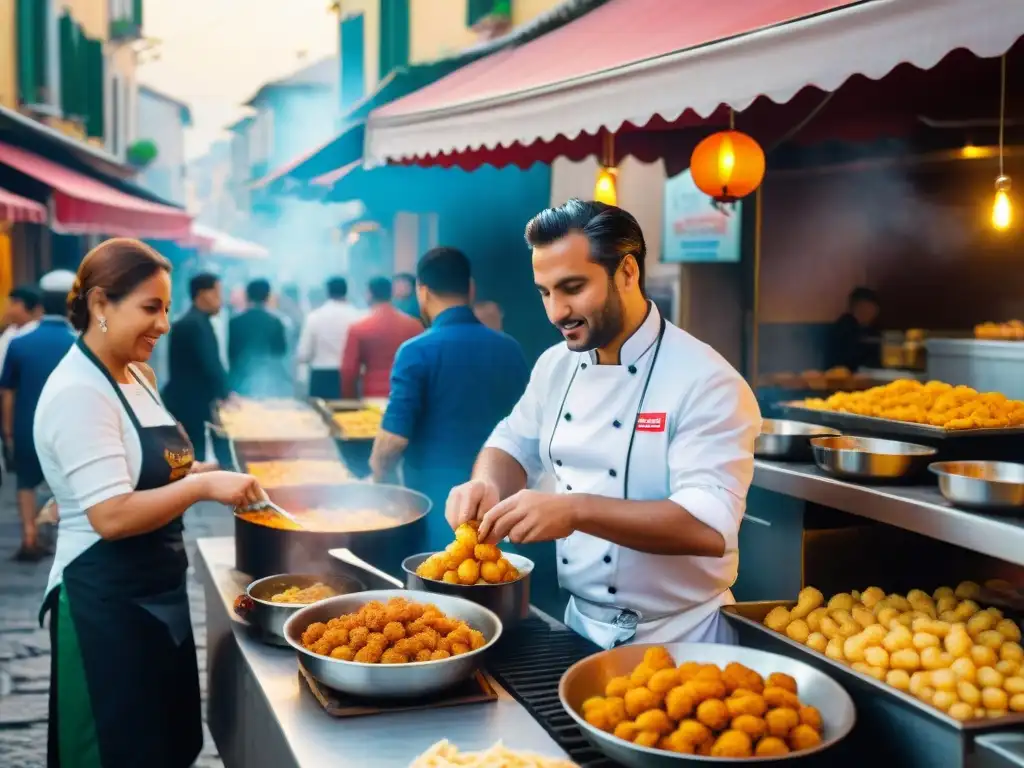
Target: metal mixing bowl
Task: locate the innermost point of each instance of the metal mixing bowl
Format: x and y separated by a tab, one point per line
394	681
788	440
590	676
996	486
869	458
510	600
268	617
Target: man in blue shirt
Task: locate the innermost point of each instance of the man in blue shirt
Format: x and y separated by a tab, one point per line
450	386
30	360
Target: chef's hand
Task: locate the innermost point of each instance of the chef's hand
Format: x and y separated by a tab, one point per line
470	501
529	516
231	488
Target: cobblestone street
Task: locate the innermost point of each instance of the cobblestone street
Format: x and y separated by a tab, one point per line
25	648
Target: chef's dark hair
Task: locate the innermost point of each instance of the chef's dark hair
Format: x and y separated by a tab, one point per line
204	281
28	295
445	272
862	294
117	267
380	289
337	288
613	233
258	291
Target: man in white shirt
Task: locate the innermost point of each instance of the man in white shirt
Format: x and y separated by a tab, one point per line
22	316
648	433
323	340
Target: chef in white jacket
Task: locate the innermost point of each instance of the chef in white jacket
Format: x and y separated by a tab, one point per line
648	432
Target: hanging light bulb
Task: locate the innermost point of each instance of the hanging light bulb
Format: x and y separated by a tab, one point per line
1002	210
605	190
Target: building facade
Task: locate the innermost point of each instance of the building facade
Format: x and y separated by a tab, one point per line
161	121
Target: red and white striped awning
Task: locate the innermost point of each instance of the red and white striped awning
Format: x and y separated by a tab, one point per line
83	205
15	208
629	61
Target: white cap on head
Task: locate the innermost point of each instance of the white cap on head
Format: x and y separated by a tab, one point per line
58	281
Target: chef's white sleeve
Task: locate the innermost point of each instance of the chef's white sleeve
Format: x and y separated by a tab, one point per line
518	434
711	455
81	433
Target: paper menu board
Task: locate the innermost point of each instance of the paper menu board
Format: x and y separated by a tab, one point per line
694	229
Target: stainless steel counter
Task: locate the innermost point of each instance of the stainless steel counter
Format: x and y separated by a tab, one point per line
262	717
920	509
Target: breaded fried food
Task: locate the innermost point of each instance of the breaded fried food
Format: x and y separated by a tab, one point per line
713	713
733	744
771	746
782	680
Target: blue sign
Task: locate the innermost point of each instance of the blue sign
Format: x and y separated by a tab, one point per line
694	228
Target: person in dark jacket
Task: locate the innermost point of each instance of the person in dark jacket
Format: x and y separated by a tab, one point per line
257	345
854	341
196	378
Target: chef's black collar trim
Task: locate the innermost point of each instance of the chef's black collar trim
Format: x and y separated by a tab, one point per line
641	342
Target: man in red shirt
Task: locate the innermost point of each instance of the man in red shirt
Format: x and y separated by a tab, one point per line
372	344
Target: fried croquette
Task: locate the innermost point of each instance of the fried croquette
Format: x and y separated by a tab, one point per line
810	716
713	713
732	744
753	726
771	746
781	721
647	739
780	697
397	632
695	732
782	680
658	658
746	704
654	720
626	730
618	686
804	737
664	680
678	703
638	700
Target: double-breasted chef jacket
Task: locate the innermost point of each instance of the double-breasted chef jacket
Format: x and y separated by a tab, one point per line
687	422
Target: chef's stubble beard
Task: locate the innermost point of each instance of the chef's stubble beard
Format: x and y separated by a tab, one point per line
607	323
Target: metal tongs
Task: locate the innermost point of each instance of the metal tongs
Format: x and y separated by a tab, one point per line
266	503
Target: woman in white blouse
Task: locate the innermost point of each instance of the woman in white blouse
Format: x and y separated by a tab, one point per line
124	687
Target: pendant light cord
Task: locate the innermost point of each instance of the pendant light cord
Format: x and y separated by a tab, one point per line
1002	108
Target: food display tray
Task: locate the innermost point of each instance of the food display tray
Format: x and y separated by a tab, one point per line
476	690
327	409
879	426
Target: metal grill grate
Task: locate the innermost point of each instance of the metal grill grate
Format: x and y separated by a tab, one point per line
529	663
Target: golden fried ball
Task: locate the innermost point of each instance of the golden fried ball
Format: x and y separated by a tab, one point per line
678	703
658	658
439	654
782	680
639	700
771	746
746	704
695	732
490	572
432	568
469	572
313	633
654	720
459	648
594	702
714	714
357	637
688	670
393	631
733	744
391	656
598	717
488	553
705	689
450	577
736	676
615	709
422	655
780	697
626	730
755	727
709	672
369	654
664	680
804	737
466	536
781	721
810	716
617	686
647	739
343	653
457	552
678	743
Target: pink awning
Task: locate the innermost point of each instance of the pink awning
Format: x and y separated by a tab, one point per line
631	61
83	205
17	208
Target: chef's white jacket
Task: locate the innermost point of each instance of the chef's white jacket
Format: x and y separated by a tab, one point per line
692	442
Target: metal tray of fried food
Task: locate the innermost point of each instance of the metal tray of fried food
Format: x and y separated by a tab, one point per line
216	423
748	619
879	426
327	409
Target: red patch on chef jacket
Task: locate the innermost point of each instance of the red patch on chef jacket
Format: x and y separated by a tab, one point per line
651	422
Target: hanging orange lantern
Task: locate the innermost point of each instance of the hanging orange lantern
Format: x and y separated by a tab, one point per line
606	187
727	165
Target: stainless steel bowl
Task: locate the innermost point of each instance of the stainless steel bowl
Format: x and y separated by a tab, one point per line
788	440
268	617
589	677
394	681
996	486
509	600
868	458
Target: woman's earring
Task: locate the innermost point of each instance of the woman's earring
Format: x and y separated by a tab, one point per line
103	324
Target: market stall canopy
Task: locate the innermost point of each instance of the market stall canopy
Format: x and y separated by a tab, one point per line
82	205
15	208
217	243
637	61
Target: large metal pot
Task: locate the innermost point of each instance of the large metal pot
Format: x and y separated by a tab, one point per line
509	600
394	681
266	617
264	551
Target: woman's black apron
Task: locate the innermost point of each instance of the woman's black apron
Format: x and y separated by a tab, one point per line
124	682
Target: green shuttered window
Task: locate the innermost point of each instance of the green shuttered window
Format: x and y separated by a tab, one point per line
394	35
82	77
31	18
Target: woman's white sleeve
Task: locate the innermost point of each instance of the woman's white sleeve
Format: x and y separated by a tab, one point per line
82	430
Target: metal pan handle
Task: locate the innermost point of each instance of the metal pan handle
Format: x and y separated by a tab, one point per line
348	557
